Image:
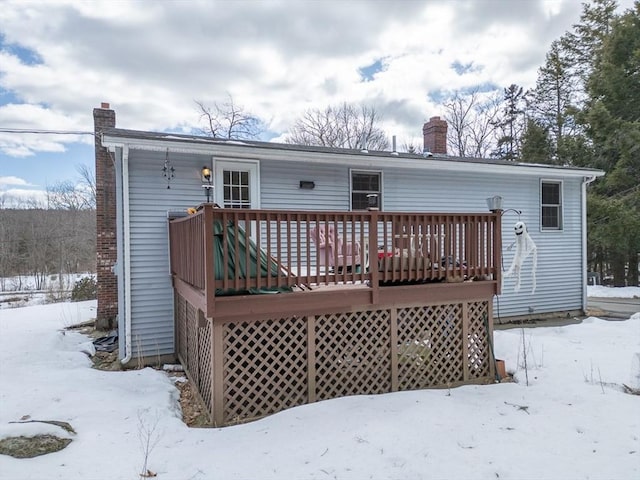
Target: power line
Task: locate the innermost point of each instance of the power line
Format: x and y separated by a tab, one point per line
624	192
41	131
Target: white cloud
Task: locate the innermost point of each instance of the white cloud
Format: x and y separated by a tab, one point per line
277	59
16	192
6	181
30	117
20	198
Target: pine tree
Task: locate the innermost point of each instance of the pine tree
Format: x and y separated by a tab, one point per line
583	44
612	113
536	145
512	125
554	98
561	93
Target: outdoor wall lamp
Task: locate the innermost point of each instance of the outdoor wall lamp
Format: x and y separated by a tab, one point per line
494	203
207	182
206	175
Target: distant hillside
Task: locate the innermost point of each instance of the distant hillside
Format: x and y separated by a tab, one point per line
41	242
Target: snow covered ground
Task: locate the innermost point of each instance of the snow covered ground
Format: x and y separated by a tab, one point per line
613	292
23	291
572	421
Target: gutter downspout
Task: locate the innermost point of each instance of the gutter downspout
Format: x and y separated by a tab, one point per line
585	181
126	255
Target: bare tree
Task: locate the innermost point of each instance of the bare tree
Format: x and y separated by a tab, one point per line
411	147
472	119
68	195
52	237
340	126
79	194
39	242
88	184
229	120
8	246
40	252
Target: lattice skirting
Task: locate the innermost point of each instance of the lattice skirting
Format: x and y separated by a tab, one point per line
246	370
193	341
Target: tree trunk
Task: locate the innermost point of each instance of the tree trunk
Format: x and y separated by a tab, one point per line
617	269
632	273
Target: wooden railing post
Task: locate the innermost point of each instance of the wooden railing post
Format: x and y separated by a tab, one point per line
373	256
209	261
497	250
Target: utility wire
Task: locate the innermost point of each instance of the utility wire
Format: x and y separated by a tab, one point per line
39	131
624	192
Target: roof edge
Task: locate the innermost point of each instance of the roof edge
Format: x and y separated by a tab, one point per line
152	141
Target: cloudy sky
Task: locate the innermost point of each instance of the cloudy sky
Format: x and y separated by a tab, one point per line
152	59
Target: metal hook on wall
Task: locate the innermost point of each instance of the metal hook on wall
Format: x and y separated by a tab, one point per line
519	212
495	205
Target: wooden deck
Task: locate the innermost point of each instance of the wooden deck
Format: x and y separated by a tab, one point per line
414	310
404	256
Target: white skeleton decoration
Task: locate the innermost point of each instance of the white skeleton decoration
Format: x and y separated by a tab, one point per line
524	247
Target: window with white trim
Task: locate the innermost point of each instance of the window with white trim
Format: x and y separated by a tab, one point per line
236	189
551	205
237	183
365	183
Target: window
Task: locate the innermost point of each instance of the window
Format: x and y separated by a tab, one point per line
363	184
237	183
551	204
236	189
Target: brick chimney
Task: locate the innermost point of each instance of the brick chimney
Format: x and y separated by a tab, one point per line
106	251
435	136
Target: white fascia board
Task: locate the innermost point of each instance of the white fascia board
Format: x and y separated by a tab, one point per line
158	145
227	149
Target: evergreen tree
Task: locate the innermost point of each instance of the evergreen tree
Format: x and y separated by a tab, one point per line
612	113
577	150
587	98
536	145
585	41
615	80
554	98
511	125
561	91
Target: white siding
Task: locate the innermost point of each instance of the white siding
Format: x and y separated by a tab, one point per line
280	187
150	199
559	276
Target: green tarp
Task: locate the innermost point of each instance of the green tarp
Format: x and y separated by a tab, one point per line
238	260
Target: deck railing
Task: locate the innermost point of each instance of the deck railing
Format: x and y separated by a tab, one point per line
219	251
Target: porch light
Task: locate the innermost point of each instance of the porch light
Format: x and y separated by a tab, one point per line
206	175
494	203
207	182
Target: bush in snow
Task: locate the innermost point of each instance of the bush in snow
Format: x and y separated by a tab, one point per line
84	289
